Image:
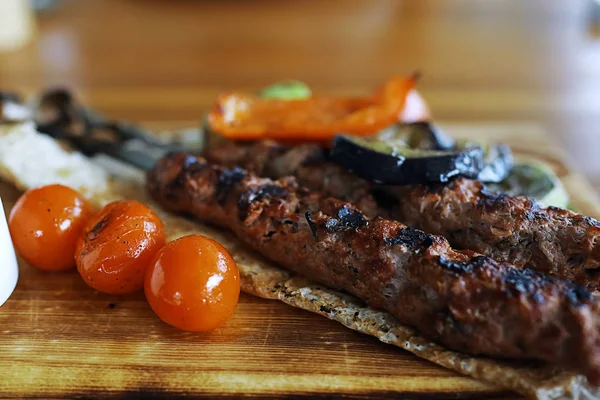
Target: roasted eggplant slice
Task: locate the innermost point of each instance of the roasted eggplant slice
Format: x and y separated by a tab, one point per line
497	163
535	179
418	135
395	163
432	156
497	160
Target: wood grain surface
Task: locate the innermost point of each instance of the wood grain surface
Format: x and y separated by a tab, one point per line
165	60
59	338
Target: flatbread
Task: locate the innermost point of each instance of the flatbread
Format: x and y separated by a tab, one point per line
29	159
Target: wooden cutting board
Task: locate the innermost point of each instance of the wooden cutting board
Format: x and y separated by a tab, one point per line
59	338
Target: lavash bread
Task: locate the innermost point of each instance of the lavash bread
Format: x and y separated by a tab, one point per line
29	159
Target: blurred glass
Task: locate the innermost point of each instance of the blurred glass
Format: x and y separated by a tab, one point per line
16	24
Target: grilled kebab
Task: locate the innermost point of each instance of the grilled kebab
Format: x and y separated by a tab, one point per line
511	229
466	301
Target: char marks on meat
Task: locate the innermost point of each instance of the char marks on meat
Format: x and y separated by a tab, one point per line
513	229
464	300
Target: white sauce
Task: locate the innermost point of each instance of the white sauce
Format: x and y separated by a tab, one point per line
9	270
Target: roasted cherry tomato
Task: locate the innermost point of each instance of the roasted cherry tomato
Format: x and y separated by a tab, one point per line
45	224
118	245
193	284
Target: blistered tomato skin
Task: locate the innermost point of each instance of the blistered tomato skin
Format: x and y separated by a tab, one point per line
118	245
193	284
45	225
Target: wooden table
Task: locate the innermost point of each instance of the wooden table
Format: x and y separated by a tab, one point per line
166	60
482	60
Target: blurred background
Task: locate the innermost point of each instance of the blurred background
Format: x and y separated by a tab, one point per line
532	61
